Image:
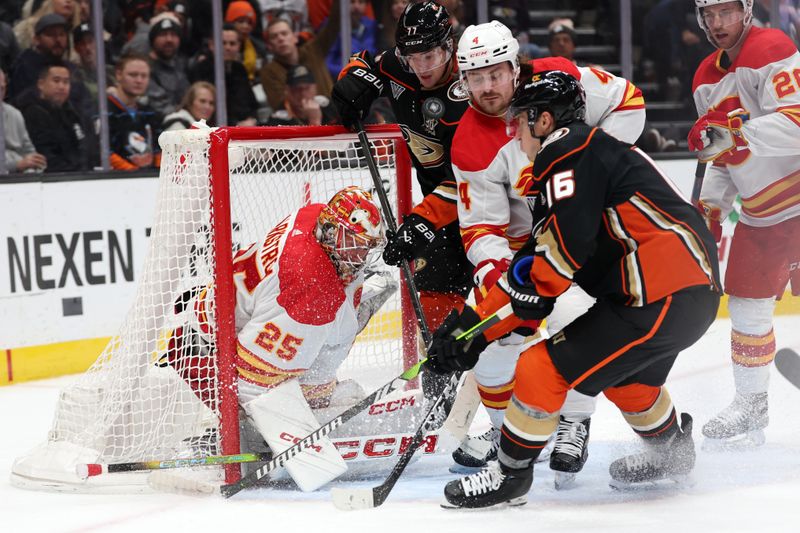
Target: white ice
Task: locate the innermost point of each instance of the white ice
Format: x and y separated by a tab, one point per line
734	491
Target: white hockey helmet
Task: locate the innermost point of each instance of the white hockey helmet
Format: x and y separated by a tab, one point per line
485	45
747	6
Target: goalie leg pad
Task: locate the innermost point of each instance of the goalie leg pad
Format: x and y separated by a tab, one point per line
283	417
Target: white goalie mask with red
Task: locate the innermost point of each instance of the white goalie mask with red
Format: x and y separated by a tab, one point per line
350	231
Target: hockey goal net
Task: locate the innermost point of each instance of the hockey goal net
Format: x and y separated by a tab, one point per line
219	191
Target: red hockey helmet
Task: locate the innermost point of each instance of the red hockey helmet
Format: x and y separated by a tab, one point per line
350	230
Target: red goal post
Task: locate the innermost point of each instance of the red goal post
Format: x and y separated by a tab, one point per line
219	190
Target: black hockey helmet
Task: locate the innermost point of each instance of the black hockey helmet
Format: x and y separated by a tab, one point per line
554	91
422	27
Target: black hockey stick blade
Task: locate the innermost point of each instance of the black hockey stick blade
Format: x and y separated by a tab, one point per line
281	459
351	499
697	185
787	361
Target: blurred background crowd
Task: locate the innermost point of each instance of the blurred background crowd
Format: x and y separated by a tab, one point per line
280	60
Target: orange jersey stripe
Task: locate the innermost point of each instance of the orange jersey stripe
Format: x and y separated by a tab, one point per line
470	234
437	210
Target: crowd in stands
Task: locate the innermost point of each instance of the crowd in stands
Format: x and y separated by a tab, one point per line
281	58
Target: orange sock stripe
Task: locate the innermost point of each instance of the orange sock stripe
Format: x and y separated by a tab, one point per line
660	430
516	440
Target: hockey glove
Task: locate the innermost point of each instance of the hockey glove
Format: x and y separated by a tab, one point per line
488	272
713	217
355	91
414	234
717	136
525	301
446	354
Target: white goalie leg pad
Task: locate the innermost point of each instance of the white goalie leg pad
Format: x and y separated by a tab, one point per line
283	417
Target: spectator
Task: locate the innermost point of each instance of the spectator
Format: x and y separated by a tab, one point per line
363	37
133	126
168	79
49	44
390	14
55	127
25	29
243	17
302	105
21	155
240	101
197	104
562	39
282	42
9	47
295	12
320	10
85	48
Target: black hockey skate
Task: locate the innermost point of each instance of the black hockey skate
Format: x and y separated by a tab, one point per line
476	452
494	485
673	460
570	451
740	425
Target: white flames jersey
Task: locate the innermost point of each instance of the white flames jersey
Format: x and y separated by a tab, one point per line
290	305
764	81
493	172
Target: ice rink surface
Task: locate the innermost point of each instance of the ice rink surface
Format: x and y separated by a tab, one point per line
733	491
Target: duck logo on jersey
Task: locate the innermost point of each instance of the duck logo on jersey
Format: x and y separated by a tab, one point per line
428	151
457	93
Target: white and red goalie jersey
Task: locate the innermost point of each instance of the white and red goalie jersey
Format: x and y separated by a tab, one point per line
295	318
492	172
764	81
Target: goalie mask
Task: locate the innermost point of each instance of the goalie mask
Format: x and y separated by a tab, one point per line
554	91
424	37
726	16
350	231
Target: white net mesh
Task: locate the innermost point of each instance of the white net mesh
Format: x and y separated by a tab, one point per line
134	403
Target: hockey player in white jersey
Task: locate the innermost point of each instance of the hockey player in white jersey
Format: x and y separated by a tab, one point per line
747	95
298	310
496	220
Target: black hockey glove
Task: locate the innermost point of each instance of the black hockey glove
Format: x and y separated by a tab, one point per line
412	235
354	93
447	354
525	301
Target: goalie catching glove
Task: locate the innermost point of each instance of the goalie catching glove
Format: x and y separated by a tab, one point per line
447	354
415	233
717	135
355	90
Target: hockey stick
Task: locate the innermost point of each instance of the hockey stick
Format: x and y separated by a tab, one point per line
787	361
282	458
699	174
95	469
391	223
348	499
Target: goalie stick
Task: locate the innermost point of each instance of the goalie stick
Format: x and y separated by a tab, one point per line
88	470
282	458
348	499
787	361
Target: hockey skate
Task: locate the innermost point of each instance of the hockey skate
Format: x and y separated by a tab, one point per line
570	451
740	425
671	460
476	452
494	485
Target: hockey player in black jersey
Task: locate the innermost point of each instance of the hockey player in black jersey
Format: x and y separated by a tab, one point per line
615	225
420	78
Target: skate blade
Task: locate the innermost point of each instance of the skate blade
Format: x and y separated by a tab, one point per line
676	482
514	502
564	480
744	442
461	469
